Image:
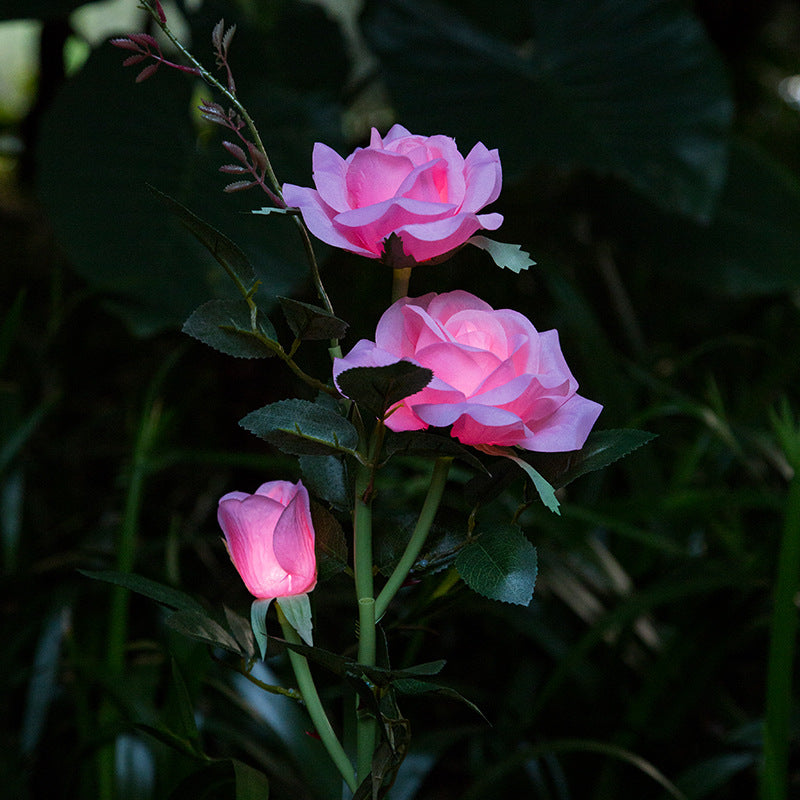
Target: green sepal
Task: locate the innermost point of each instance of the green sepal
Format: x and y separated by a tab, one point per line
500	564
226	325
393	254
311	322
545	490
272	210
300	428
258	622
297	610
508	256
377	389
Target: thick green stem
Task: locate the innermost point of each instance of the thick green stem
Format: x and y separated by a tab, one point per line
305	683
362	547
400	279
418	537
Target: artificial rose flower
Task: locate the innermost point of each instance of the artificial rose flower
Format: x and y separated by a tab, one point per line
496	379
420	188
270	538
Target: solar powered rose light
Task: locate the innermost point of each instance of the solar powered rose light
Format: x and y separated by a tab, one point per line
447	377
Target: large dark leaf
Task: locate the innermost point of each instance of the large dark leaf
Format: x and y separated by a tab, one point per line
630	87
106	138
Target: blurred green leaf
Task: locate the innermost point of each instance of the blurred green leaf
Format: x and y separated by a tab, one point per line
631	88
310	322
202	627
500	564
750	248
705	777
377	389
38	9
225	325
299	427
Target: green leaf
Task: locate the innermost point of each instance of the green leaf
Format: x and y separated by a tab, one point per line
430	445
311	322
601	449
297	610
251	784
202	627
216	779
258	622
242	631
227	254
166	595
545	490
510	256
299	428
183	708
377	389
631	88
326	478
330	544
500	564
225	325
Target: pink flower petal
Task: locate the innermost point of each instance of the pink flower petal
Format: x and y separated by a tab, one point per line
330	172
483	178
374	176
318	218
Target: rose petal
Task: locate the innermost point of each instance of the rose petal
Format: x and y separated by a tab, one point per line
374	176
318	218
565	430
483	178
330	171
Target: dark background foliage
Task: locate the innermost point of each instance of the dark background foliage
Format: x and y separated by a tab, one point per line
651	153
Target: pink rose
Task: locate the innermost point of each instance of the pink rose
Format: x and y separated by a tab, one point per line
496	379
419	187
271	539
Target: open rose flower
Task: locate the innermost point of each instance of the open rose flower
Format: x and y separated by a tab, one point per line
271	539
420	188
496	379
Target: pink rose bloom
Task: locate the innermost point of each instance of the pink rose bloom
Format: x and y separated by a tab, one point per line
496	379
271	539
419	187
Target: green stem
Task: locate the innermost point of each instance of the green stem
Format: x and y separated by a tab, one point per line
362	560
400	280
783	632
313	704
418	537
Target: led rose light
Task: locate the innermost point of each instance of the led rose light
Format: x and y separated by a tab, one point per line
496	379
419	188
270	538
